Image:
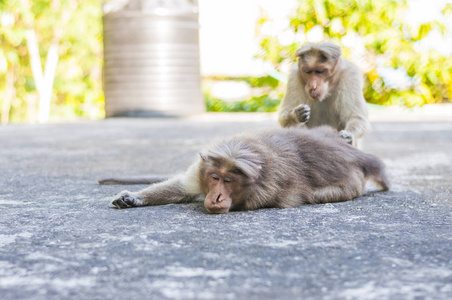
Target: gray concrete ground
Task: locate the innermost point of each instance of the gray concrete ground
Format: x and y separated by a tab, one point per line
60	239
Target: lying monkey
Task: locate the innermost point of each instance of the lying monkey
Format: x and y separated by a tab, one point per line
276	168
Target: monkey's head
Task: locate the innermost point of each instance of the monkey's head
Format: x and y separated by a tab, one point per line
317	65
226	174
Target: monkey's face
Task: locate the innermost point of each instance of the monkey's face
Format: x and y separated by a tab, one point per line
316	68
316	80
223	190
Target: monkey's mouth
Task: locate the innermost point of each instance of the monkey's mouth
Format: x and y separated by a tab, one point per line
216	209
316	96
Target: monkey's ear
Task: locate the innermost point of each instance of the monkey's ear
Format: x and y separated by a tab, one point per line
330	50
303	50
255	177
203	156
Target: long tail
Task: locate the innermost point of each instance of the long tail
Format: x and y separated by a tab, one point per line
132	180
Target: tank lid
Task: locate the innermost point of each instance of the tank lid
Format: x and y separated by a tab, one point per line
156	7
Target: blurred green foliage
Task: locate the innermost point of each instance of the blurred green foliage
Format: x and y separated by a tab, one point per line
388	40
77	89
262	103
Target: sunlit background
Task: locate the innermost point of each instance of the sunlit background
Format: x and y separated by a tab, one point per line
54	50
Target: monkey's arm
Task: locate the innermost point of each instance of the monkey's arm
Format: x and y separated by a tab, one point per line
357	125
293	109
132	180
354	114
182	188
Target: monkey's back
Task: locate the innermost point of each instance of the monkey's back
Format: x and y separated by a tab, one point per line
297	162
318	155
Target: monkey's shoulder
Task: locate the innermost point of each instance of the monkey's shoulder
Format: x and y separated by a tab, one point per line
350	70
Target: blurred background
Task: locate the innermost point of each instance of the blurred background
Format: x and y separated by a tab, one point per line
71	59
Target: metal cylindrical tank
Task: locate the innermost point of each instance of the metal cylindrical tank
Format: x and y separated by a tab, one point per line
151	58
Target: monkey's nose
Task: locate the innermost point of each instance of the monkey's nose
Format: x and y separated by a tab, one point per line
218	199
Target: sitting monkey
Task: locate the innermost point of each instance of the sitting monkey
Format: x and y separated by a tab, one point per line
275	168
325	89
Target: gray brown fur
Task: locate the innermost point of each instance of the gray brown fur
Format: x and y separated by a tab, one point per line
278	168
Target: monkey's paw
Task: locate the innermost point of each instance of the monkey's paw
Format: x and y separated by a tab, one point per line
347	136
302	112
125	200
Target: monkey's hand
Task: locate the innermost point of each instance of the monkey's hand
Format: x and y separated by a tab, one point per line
347	136
302	113
126	200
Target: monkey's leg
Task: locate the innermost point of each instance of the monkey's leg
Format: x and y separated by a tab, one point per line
382	182
374	170
381	179
350	188
334	194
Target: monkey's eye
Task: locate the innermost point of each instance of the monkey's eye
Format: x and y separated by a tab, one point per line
308	71
215	176
226	179
320	71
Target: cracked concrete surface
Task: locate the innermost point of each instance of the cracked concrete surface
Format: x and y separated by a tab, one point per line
60	239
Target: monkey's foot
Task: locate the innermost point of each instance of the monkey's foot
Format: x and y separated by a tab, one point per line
302	112
347	136
125	200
